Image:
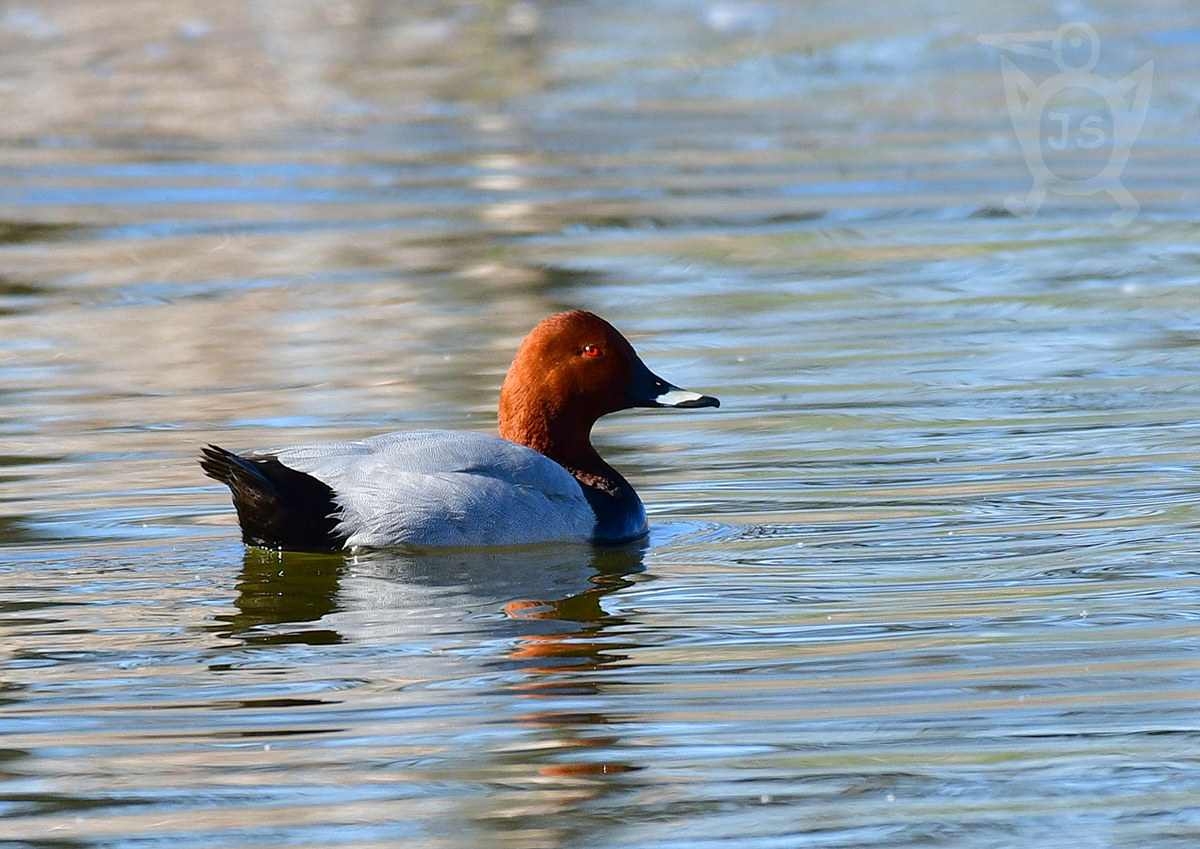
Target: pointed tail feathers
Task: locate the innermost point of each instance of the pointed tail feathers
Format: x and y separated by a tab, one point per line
277	507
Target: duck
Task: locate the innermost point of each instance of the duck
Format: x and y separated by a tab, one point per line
539	481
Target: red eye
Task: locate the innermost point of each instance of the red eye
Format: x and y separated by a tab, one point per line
591	350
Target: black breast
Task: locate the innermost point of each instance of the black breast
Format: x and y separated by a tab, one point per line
620	516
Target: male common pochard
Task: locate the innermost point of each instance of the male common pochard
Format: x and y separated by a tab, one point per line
539	481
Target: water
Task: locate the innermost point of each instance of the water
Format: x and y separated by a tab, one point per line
928	577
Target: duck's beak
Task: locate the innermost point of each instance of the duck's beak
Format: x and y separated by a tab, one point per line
650	390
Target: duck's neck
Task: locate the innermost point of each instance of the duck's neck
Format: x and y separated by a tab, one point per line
620	516
570	447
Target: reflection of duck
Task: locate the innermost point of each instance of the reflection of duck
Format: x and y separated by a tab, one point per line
281	588
521	594
542	482
518	596
523	624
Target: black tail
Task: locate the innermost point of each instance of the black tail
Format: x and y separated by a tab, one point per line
277	507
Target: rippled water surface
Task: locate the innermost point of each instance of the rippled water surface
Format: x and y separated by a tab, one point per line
928	577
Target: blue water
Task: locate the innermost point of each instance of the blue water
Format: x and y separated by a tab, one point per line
927	577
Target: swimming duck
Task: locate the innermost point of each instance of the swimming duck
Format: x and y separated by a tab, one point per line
539	481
